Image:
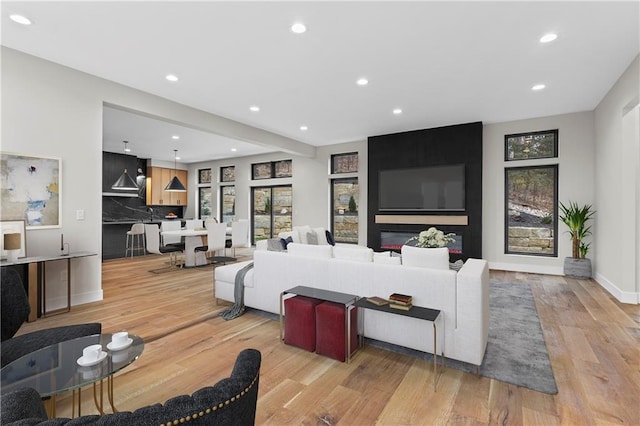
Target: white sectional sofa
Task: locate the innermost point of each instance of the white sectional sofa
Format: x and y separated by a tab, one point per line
463	297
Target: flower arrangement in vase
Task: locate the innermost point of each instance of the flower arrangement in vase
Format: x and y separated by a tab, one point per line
431	238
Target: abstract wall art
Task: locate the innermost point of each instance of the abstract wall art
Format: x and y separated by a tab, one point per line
30	190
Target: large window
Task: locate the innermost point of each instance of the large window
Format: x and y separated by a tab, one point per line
531	210
271	212
204	194
204	205
345	194
227	203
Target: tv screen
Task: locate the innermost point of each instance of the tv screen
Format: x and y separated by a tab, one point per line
422	188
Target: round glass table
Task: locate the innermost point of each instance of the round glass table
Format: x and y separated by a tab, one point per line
54	369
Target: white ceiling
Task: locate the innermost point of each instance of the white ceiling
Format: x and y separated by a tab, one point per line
441	62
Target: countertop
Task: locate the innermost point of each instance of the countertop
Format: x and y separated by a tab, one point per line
131	221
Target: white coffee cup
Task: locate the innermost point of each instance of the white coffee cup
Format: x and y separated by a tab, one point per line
91	353
119	339
120	356
89	372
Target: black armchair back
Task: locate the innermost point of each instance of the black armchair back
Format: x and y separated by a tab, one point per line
14	303
15	311
231	401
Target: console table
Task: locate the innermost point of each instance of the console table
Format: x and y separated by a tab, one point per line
418	312
38	282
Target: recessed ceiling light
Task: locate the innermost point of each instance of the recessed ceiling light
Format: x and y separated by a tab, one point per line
20	19
177	158
397	111
304	128
548	38
171	77
234	149
298	28
175	137
254	108
362	81
538	87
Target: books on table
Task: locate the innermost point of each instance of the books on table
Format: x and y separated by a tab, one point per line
396	301
400	301
378	301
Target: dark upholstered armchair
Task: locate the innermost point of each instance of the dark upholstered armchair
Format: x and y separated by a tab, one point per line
231	401
15	311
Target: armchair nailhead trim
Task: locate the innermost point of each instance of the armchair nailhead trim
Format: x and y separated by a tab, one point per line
214	408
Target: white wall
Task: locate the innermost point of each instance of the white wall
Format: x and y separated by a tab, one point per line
576	180
617	163
54	111
50	110
310	183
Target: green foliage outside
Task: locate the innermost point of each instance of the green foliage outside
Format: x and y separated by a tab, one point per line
352	205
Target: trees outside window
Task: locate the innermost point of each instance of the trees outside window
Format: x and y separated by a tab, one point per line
531	210
344	210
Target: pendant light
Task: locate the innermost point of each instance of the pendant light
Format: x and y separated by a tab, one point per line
175	185
125	182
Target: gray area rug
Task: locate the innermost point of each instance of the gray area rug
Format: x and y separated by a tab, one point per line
516	352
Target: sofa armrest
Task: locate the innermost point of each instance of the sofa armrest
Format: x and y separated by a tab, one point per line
21	404
472	282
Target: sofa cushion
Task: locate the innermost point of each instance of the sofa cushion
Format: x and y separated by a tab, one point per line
306	250
301	233
386	258
227	273
285	242
355	253
321	234
435	258
330	240
312	238
275	244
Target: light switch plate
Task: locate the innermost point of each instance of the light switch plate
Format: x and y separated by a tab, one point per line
79	214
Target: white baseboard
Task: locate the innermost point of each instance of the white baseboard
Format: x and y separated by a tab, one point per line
76	299
521	267
622	296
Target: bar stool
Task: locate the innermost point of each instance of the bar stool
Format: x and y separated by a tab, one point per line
135	240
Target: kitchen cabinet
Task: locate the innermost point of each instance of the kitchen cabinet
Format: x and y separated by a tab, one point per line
157	179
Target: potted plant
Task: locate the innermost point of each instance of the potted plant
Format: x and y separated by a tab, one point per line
576	218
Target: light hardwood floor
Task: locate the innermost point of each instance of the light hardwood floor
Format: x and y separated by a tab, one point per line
593	343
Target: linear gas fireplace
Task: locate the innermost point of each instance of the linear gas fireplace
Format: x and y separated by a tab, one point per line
394	240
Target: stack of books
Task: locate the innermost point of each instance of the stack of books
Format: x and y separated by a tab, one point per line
378	301
400	301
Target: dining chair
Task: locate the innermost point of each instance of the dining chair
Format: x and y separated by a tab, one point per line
210	221
240	235
193	223
216	240
152	233
171	225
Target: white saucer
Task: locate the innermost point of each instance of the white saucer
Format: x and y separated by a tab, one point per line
113	347
84	363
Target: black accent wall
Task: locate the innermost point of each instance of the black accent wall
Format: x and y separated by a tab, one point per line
456	144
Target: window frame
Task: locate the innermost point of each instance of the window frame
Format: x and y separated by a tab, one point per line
333	181
555	168
554	132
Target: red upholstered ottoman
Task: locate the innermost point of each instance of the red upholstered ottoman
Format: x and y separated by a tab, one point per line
330	330
300	322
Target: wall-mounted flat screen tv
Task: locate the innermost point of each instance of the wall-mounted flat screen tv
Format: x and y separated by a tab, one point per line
429	188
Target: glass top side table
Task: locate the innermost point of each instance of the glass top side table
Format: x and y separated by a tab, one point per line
54	369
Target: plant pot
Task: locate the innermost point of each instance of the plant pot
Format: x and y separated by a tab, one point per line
577	268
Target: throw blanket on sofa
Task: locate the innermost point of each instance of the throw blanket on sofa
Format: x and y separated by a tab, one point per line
238	295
